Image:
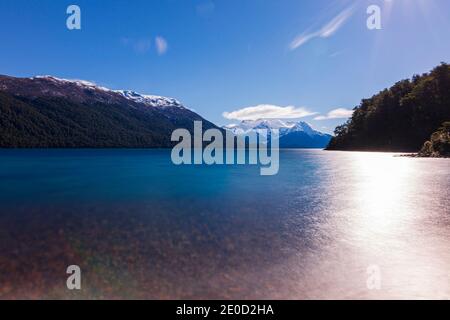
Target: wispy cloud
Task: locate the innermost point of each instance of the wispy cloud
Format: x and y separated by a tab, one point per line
267	111
161	45
326	31
339	113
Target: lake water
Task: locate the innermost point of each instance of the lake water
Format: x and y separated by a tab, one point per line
329	225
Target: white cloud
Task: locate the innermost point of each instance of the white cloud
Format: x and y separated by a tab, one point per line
339	113
334	25
267	111
161	45
301	40
326	31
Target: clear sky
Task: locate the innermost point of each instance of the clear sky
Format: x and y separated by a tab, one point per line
220	56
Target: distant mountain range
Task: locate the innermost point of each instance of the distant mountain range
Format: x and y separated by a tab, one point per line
293	134
50	112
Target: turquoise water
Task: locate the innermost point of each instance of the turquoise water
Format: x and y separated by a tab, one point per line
141	227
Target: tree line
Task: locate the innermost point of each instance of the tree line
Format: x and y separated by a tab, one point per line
401	118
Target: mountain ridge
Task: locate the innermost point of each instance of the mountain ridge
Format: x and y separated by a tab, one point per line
46	86
48	112
292	134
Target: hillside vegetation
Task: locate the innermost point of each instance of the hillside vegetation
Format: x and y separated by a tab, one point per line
48	113
55	122
400	118
439	143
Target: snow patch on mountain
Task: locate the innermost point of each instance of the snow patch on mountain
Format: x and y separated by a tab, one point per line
81	83
284	127
148	100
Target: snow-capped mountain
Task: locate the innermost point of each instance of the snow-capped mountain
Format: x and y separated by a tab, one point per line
46	111
284	127
260	125
293	134
148	100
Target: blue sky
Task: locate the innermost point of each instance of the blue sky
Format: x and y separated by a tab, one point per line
222	56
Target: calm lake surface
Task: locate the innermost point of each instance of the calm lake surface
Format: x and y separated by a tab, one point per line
329	225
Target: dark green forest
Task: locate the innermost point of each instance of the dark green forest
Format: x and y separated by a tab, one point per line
401	118
439	143
62	123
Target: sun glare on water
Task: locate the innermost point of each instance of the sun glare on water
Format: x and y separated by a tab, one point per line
383	184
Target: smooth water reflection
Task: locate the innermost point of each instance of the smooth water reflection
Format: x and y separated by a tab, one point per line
142	228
